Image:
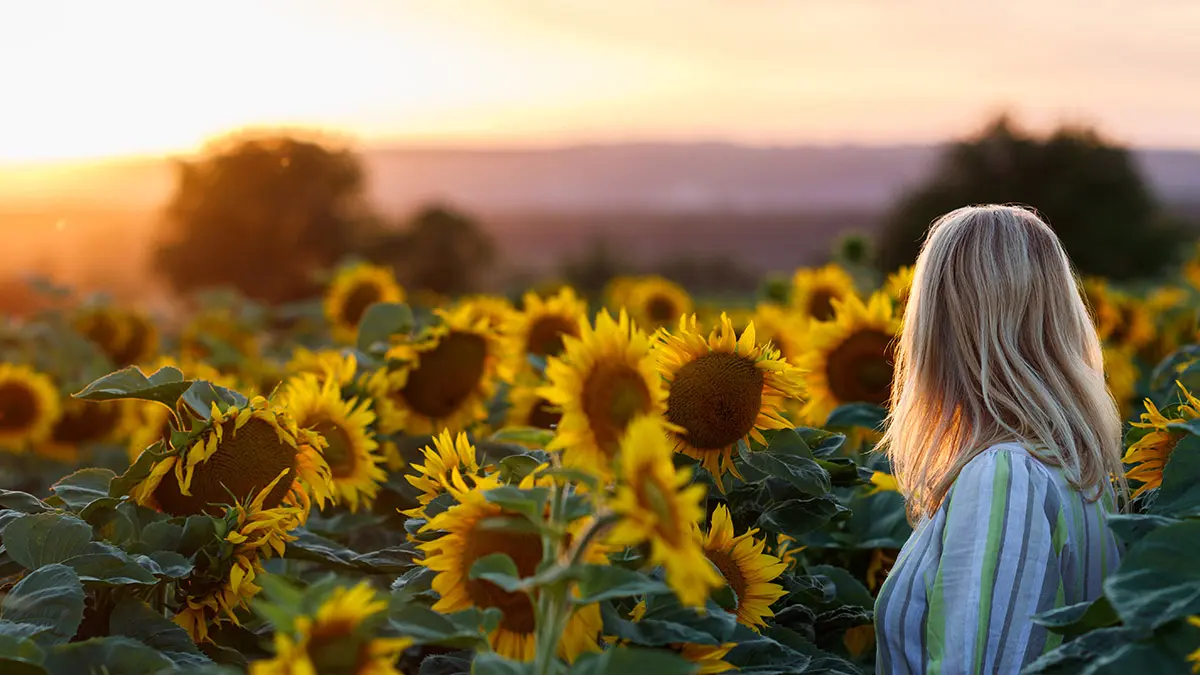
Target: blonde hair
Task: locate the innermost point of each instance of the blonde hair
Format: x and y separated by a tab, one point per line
997	346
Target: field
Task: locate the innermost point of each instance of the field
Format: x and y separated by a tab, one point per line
380	481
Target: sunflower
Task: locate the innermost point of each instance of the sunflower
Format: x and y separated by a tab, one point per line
604	379
1122	375
82	424
747	569
815	290
657	505
350	448
1100	302
1133	324
897	287
352	291
468	538
105	327
782	327
654	302
325	364
849	359
1194	657
147	422
1150	453
618	290
225	583
883	482
540	327
216	332
497	311
447	456
29	407
722	390
141	341
336	639
445	379
882	560
528	408
234	455
788	550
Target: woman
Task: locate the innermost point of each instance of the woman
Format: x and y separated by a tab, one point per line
1003	437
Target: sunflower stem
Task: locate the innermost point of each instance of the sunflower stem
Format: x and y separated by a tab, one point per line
598	526
551	597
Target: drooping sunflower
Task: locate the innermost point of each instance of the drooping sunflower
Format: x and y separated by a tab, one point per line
722	389
352	291
1150	453
849	359
782	327
528	408
654	302
897	286
604	379
146	422
235	454
541	325
467	539
338	638
748	569
350	448
815	290
82	424
29	407
657	505
224	583
448	455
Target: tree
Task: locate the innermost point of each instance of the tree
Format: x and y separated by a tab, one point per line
441	251
263	214
1090	192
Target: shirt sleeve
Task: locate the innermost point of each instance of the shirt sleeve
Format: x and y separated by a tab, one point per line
999	566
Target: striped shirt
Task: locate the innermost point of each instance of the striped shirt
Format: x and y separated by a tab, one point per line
1012	538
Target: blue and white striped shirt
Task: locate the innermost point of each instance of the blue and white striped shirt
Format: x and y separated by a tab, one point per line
1013	538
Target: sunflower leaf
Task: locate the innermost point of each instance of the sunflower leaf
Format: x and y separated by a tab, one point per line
857	415
494	664
22	501
115	654
796	517
530	503
138	471
380	322
515	467
788	458
530	437
499	569
165	386
81	488
604	582
108	565
632	661
1079	618
201	396
461	629
45	538
135	619
1158	579
1180	492
50	598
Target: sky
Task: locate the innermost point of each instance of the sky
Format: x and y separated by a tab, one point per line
82	79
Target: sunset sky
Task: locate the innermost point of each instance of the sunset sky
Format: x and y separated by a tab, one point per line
88	79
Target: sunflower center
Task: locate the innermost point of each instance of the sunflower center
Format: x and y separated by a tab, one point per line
246	461
732	573
546	335
339	454
358	300
662	309
820	304
332	650
543	415
18	406
860	368
525	549
613	395
86	423
446	376
103	330
716	398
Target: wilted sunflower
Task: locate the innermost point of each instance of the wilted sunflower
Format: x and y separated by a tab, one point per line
147	422
446	379
722	389
657	505
849	359
782	327
747	568
1150	453
467	538
604	379
82	424
213	593
350	448
336	639
814	290
236	454
539	328
897	287
447	456
352	291
29	407
654	302
528	408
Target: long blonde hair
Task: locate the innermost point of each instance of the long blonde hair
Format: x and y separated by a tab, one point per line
997	346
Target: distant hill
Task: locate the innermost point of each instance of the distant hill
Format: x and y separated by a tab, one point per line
653	178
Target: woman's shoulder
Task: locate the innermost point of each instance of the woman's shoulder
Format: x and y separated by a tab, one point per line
1008	461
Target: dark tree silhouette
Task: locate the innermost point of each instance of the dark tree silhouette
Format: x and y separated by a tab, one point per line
261	213
442	251
1089	190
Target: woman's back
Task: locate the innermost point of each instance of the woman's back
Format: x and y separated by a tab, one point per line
1013	538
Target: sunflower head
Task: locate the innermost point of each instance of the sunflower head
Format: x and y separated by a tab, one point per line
1122	375
746	567
815	290
604	379
1148	455
495	310
81	425
352	291
234	456
654	302
528	408
447	456
541	326
897	287
141	344
105	326
782	327
29	407
850	359
325	364
723	389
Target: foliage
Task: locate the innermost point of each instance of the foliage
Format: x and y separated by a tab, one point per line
441	251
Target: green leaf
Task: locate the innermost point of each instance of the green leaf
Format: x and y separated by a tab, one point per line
106	564
415	583
861	415
201	396
161	536
664	628
50	598
797	517
165	564
877	521
496	451
1132	527
597	583
491	663
1121	650
632	661
1158	579
530	437
83	487
134	618
571	475
848	590
499	569
380	322
1180	492
18	653
139	470
165	386
462	630
313	547
787	458
530	503
1080	618
22	501
106	655
516	467
45	538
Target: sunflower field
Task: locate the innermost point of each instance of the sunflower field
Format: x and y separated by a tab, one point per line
638	483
